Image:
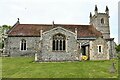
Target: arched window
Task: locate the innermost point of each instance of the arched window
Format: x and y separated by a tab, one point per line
23	45
59	42
102	21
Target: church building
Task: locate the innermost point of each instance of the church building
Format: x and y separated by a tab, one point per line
62	42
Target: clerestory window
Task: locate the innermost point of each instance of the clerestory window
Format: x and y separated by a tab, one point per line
59	42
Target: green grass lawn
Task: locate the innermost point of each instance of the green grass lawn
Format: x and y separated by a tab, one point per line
24	67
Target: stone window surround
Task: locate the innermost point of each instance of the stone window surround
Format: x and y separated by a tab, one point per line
100	46
59	39
21	42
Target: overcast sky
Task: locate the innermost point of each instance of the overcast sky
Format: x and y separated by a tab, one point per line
59	11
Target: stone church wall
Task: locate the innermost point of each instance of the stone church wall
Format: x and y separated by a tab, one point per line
13	46
94	54
112	49
44	48
71	46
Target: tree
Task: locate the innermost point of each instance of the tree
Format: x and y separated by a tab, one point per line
3	30
117	48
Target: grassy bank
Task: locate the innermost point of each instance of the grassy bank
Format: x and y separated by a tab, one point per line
24	67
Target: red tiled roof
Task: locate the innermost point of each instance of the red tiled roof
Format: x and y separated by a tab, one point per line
34	29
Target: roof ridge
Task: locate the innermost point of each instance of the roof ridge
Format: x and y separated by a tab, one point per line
59	24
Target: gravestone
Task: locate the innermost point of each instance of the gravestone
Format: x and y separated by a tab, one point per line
112	68
36	57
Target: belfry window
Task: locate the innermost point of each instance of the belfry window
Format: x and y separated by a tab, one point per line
23	45
59	42
102	21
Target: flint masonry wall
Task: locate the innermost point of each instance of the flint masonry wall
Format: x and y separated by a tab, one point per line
103	28
112	50
72	52
71	46
13	46
94	55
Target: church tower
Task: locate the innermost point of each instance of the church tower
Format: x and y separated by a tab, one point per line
101	22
